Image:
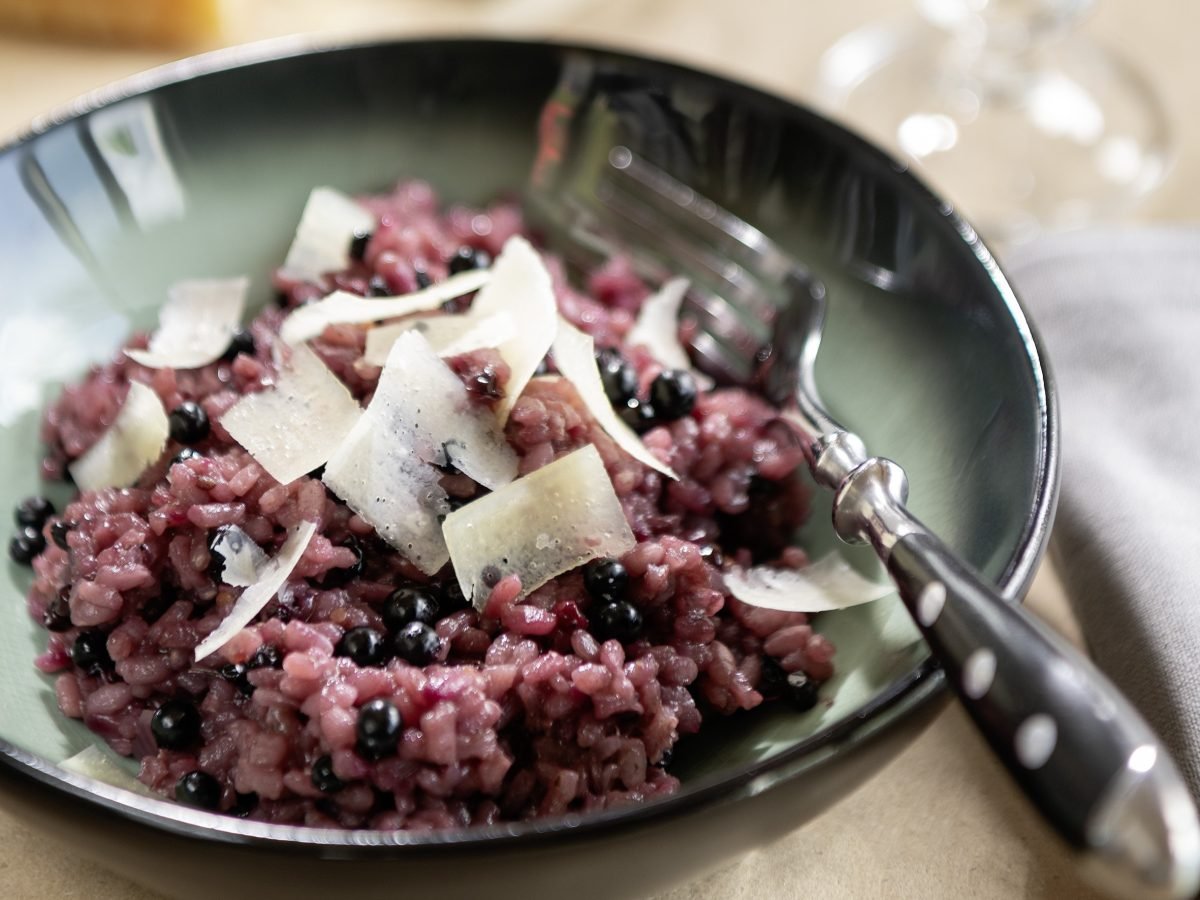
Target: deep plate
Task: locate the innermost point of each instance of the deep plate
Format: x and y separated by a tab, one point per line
927	355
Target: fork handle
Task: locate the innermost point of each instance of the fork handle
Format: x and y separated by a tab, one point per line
1081	753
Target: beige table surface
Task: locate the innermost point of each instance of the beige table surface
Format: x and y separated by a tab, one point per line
940	821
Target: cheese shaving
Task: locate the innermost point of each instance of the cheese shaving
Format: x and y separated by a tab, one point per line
657	329
329	224
134	441
296	426
242	558
342	308
522	287
449	335
829	583
574	355
539	526
92	762
270	579
195	325
419	418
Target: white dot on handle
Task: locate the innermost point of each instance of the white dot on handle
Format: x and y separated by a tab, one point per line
978	672
1035	740
930	603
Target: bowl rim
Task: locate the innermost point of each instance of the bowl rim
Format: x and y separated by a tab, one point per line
882	712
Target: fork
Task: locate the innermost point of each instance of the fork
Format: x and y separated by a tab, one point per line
1078	749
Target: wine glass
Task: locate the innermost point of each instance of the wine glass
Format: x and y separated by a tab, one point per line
1008	111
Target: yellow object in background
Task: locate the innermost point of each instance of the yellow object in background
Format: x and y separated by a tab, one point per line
144	22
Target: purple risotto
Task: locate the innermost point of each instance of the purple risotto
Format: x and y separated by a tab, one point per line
437	539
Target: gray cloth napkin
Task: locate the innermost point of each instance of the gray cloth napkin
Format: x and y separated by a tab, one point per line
1119	313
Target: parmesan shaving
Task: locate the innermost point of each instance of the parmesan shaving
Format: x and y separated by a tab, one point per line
657	329
827	584
270	579
92	762
448	335
135	440
539	526
521	286
299	424
574	355
242	558
420	417
195	325
344	308
329	224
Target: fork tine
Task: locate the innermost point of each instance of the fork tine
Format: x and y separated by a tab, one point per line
685	208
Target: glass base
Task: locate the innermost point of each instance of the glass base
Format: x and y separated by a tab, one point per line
1059	137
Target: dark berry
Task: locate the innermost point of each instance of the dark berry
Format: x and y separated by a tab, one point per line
176	725
90	652
198	789
283	299
58	533
323	778
33	512
618	377
673	393
358	245
364	645
638	415
378	729
241	342
235	673
711	553
417	643
606	580
184	455
57	616
453	598
244	804
410	604
802	691
25	545
266	657
378	287
772	680
620	621
189	423
339	577
468	258
423	279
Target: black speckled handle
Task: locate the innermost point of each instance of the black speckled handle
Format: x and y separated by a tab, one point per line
1060	726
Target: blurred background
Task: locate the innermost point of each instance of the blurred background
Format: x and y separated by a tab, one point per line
916	75
1029	114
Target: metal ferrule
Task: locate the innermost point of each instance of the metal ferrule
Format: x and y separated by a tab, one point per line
868	506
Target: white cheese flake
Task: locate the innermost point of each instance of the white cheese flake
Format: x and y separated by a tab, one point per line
574	355
297	425
539	526
242	558
272	576
657	329
522	287
419	418
92	762
196	324
133	442
449	335
329	224
829	583
343	308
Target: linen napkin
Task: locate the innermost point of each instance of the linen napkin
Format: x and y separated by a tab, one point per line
1119	314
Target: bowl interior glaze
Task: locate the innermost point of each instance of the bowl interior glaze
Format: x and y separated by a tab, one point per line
926	353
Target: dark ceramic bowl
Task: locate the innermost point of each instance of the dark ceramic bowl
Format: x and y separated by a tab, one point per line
201	169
